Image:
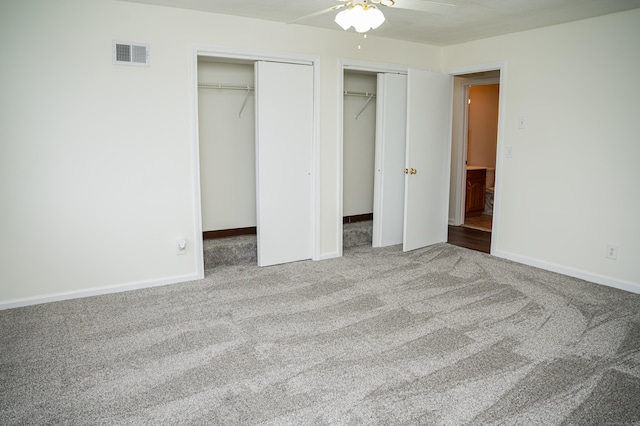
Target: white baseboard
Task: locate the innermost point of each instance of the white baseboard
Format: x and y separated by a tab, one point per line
56	297
576	273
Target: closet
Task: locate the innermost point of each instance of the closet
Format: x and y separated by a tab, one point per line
226	119
411	158
256	126
359	130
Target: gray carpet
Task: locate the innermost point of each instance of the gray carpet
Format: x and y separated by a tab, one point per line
442	335
244	249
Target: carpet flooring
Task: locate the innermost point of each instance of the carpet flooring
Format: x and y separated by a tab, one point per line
441	335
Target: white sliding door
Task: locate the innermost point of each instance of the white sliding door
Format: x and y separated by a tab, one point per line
388	198
428	158
284	138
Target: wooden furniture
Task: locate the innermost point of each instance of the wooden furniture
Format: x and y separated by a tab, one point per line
476	187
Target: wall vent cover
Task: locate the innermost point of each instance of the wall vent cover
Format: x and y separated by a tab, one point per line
126	53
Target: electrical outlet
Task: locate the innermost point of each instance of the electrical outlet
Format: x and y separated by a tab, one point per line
612	251
181	246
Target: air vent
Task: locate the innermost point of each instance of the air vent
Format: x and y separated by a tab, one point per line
126	53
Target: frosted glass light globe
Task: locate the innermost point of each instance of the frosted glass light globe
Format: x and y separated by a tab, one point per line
360	18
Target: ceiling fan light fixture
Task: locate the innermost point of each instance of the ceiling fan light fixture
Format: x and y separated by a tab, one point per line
361	17
343	19
376	17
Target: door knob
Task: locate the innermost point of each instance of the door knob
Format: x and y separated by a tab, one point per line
406	171
413	171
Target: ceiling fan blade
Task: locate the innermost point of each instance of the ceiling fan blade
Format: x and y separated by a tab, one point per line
318	13
425	6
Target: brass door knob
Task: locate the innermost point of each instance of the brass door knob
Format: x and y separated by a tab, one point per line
413	171
406	171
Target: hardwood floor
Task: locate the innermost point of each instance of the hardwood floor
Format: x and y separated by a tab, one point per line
470	238
482	222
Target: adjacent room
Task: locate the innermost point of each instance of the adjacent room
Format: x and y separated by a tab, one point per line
249	212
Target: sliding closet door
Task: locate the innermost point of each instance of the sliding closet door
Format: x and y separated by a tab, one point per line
284	136
428	160
388	198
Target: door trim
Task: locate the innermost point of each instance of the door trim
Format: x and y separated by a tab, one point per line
470	69
250	55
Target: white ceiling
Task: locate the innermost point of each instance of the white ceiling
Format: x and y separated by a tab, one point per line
441	25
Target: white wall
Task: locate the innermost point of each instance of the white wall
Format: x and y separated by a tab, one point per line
571	186
227	147
96	160
359	144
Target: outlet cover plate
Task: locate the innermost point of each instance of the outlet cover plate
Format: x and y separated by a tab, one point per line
612	251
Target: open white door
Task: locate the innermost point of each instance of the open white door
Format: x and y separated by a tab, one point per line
388	195
428	159
284	138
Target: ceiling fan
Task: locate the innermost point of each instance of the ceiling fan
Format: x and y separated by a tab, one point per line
365	15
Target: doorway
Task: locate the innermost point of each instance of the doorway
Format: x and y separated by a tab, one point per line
482	138
475	166
359	134
226	117
252	86
374	156
424	154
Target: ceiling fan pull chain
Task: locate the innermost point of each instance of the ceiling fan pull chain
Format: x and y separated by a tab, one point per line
360	37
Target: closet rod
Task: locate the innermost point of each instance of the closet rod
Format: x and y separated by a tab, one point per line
363	94
247	87
225	86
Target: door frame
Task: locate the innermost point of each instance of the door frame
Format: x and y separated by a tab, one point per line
345	64
251	55
460	113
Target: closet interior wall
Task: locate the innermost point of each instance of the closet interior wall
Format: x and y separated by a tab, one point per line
359	126
227	144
